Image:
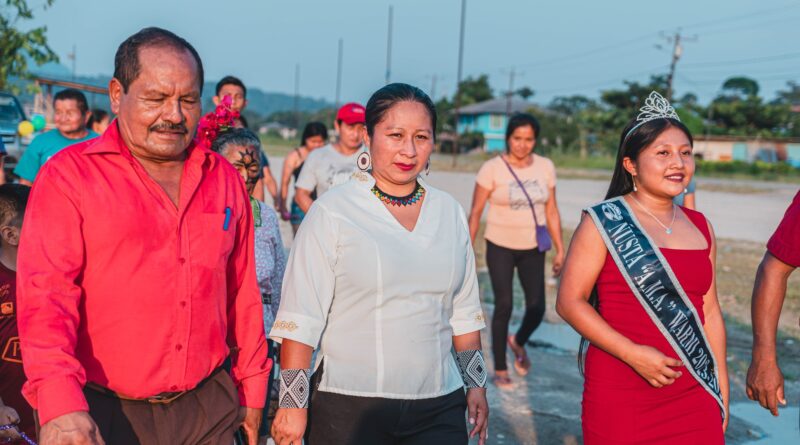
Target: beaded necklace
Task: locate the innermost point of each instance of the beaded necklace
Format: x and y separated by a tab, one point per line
409	199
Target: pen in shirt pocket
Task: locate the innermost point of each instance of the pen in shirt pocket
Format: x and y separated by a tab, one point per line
227	222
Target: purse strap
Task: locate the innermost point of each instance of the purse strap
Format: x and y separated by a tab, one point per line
522	187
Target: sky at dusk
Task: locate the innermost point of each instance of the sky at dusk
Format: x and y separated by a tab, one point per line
557	48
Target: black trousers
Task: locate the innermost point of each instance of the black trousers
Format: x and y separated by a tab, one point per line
336	419
207	415
501	262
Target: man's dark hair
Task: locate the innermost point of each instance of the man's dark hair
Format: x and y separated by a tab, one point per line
13	200
126	61
97	116
230	80
73	94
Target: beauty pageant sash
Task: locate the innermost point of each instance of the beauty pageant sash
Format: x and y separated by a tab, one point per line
654	284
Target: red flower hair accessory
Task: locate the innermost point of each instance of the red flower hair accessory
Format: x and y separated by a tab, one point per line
222	119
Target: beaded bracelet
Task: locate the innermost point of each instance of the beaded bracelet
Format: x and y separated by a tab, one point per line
473	368
294	388
21	434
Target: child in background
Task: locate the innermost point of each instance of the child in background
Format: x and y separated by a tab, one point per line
13	199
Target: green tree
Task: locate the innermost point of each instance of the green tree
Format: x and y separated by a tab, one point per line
525	92
474	89
739	87
17	47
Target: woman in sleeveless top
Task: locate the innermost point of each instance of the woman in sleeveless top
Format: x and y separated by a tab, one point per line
636	390
315	135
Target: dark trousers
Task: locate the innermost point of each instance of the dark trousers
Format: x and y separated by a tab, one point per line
530	268
209	414
336	419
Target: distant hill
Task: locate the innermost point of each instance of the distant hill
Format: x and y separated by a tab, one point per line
259	101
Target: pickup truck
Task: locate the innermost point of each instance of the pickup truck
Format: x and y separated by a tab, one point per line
11	114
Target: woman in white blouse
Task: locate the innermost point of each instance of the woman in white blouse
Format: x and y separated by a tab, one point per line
381	280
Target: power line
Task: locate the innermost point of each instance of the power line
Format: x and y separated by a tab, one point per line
725	20
739	28
742	61
617	79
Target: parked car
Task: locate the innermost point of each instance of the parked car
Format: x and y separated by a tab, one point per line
11	114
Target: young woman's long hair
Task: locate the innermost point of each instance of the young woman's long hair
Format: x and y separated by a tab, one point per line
631	143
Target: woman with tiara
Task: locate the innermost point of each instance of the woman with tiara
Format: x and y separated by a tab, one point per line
639	285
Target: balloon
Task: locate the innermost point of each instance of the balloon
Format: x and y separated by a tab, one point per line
25	128
38	122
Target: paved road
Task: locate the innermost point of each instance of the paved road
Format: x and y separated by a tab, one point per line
750	216
544	407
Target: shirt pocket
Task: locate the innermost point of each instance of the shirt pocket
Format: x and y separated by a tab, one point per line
216	237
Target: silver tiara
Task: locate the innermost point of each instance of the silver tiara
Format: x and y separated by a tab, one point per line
655	107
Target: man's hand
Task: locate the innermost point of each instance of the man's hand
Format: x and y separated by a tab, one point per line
76	428
251	423
765	384
289	426
478	410
8	416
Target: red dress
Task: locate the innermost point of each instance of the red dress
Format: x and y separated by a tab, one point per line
619	406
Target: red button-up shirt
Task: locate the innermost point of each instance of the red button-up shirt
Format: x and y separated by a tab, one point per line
785	242
119	287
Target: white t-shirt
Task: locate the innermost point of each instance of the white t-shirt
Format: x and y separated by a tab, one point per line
325	167
381	302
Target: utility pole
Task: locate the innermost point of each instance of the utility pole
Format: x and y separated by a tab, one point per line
456	147
677	52
339	73
297	96
510	93
73	56
389	46
433	88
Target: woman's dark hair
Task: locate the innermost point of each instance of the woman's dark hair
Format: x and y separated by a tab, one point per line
630	145
314	129
387	97
522	120
632	141
97	116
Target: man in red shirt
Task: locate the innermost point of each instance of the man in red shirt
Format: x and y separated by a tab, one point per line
13	199
764	378
137	274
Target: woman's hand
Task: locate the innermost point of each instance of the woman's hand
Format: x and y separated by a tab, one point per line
478	409
654	366
289	426
558	262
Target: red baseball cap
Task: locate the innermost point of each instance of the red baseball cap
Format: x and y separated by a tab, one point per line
351	113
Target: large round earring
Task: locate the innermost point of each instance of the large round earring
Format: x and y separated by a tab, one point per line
428	168
364	161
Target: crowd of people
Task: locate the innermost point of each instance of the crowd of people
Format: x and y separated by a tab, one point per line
147	296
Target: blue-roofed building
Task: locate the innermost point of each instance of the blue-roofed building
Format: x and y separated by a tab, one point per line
490	118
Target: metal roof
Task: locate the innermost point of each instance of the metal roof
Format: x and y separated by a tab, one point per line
496	106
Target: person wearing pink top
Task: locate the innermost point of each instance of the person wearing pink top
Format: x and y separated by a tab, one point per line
523	221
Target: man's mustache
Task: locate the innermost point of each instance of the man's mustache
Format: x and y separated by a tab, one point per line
170	127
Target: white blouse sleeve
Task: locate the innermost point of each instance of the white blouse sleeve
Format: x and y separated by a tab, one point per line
467	312
309	281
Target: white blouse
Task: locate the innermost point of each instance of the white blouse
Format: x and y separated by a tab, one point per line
382	303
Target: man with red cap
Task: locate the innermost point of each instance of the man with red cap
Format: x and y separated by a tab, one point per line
332	164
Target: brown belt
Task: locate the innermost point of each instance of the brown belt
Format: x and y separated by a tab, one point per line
158	399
